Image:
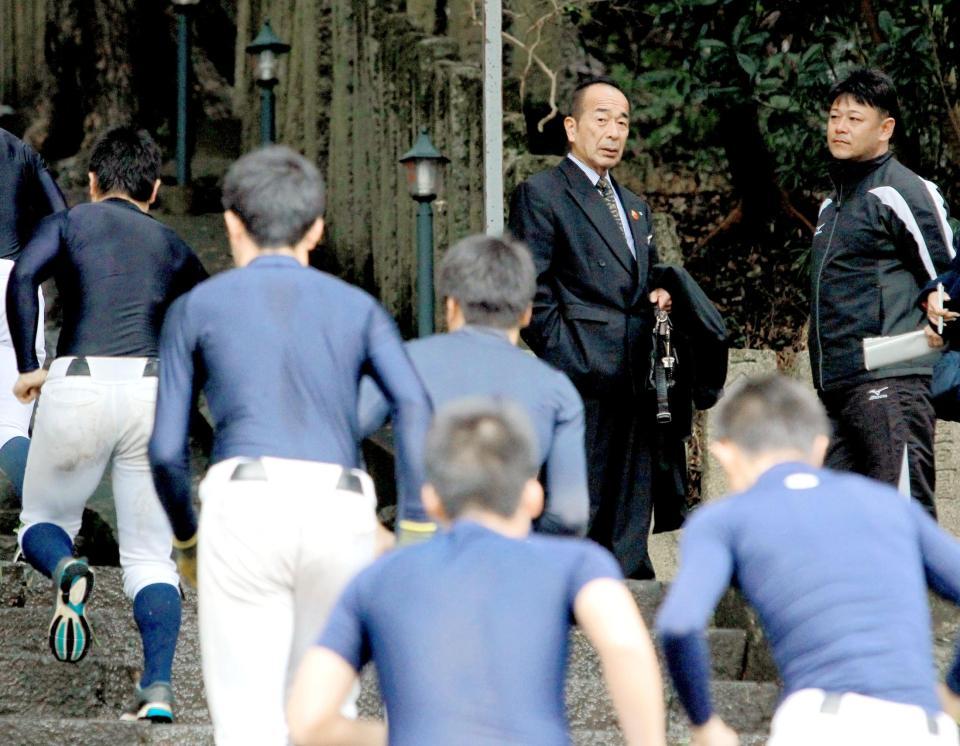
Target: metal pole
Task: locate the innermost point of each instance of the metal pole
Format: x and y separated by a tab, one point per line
267	126
493	116
183	97
425	269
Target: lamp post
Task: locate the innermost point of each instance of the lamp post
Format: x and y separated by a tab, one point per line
423	162
267	47
182	8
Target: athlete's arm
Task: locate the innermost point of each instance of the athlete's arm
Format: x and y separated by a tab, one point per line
941	562
321	686
51	192
169	450
391	369
327	674
373	409
608	616
705	572
568	502
36	264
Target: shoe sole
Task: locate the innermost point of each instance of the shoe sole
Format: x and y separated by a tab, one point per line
154	712
69	631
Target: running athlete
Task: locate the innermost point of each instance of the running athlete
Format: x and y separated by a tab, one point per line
469	631
837	567
117	271
28	193
489	284
279	349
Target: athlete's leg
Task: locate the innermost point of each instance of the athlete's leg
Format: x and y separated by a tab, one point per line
246	553
67	457
150	577
71	446
337	540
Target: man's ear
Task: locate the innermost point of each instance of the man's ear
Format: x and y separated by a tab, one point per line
726	453
570	125
526	317
93	186
531	499
818	453
314	234
235	228
886	128
432	504
156	190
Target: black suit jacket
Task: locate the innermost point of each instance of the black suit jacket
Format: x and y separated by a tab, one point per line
591	314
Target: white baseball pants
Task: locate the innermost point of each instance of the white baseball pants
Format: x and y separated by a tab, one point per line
857	721
275	550
82	423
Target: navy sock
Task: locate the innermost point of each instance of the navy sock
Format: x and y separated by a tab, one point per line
44	545
13	461
156	610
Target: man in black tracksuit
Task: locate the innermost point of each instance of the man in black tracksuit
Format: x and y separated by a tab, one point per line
880	237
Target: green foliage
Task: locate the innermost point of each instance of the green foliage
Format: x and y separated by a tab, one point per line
685	62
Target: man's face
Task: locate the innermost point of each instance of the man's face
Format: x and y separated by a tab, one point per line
857	132
599	136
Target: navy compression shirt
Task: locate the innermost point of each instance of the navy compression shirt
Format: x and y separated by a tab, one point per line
279	350
28	193
480	361
117	271
469	634
836	566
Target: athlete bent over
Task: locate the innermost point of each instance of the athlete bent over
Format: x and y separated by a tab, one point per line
469	631
117	271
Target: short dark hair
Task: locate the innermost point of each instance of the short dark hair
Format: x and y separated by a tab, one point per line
576	101
277	194
126	161
480	451
493	279
869	87
770	413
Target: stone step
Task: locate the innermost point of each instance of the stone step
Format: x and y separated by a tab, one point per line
115	635
676	736
37	731
35	685
746	706
40	731
727	648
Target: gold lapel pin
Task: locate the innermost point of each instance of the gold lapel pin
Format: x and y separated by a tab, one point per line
634	214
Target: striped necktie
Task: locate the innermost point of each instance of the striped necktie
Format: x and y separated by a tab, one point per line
606	191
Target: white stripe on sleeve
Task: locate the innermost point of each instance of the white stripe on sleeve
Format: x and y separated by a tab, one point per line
824	205
941	215
895	201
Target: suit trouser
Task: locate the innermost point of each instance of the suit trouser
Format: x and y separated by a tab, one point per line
83	423
618	439
872	424
14	415
806	717
274	553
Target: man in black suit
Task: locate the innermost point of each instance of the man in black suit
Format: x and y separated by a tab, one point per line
593	313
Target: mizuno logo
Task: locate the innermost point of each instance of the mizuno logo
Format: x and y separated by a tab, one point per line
819	229
877	394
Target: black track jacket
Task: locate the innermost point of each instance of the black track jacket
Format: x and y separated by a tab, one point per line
880	237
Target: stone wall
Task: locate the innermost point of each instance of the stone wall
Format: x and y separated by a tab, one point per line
360	82
21	50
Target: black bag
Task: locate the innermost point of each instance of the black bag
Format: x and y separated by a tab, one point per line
945	386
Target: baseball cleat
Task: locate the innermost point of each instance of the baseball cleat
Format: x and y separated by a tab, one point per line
69	631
